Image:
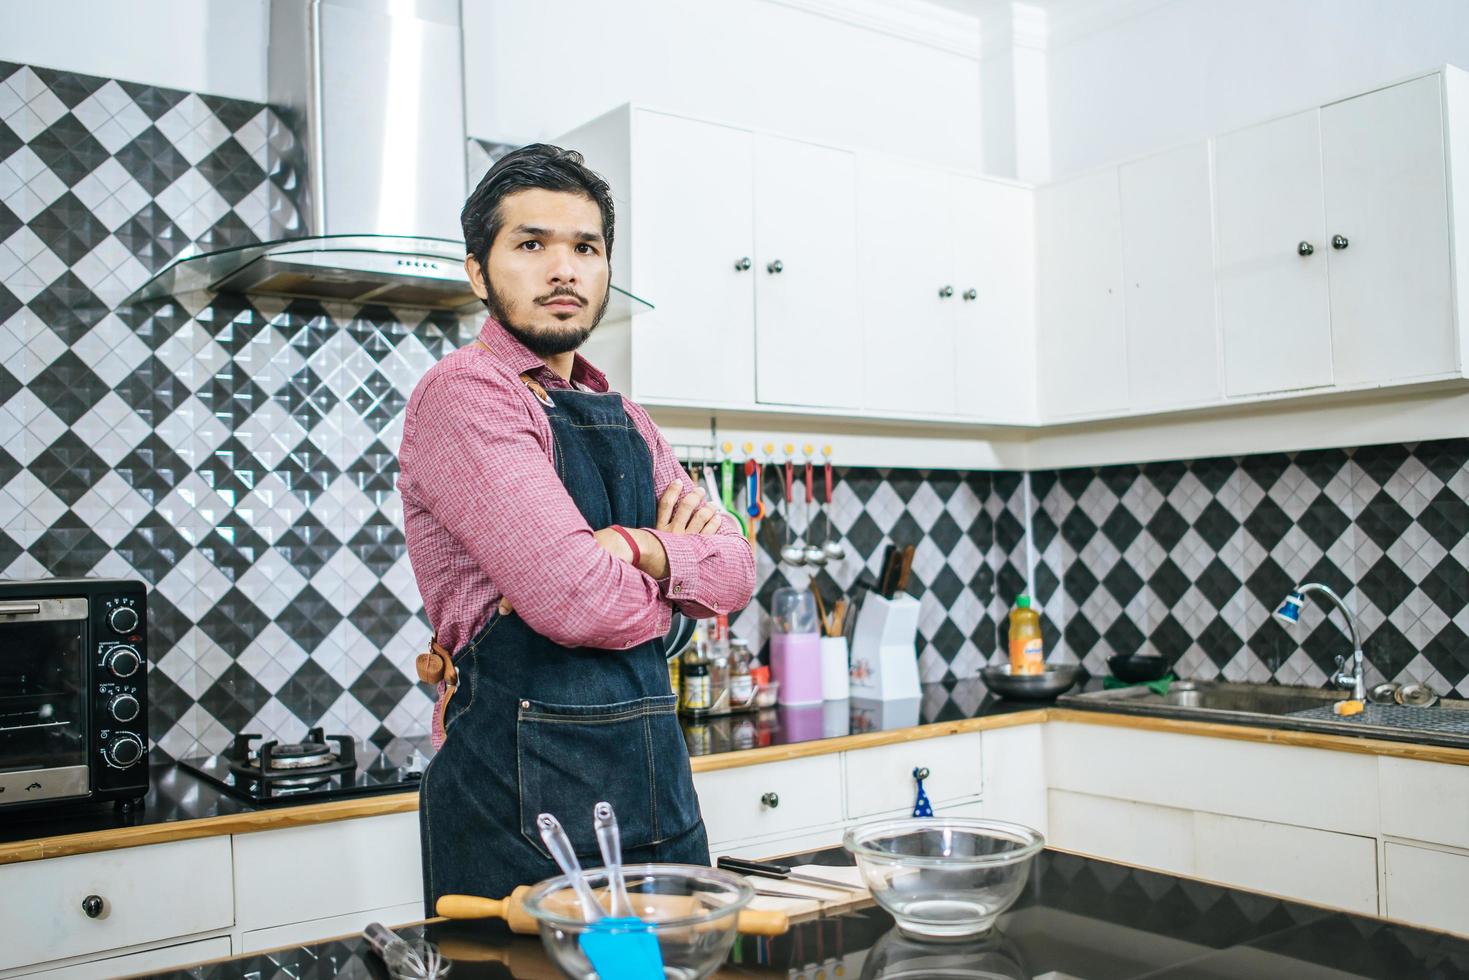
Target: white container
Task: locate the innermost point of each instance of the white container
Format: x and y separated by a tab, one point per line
884	656
836	668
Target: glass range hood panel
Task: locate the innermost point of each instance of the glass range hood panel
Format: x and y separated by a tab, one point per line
388	269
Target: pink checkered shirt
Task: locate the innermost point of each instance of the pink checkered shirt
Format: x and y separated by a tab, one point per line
485	514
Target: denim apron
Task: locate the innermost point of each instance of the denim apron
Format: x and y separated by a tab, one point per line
537	727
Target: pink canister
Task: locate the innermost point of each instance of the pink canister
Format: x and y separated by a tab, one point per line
795	646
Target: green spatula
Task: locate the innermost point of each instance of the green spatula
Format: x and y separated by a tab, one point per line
620	946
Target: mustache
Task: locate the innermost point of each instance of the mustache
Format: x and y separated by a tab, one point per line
560	292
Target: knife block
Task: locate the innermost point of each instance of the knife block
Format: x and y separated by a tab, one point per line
884	654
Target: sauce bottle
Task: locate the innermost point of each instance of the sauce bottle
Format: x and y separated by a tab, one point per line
1027	651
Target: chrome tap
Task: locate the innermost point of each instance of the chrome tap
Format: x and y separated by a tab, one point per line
1289	614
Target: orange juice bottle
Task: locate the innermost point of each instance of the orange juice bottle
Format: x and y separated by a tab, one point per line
1027	652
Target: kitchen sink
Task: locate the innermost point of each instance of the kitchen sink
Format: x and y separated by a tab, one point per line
1277	706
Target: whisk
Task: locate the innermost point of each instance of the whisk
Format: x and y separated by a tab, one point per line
405	960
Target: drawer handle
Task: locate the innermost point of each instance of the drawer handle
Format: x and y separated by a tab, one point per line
771	800
921	772
93	905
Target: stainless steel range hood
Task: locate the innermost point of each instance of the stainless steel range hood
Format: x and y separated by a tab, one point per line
374	91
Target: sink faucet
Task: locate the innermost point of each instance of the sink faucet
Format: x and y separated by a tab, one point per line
1289	614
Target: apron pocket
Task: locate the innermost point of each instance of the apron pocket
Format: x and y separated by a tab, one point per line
571	757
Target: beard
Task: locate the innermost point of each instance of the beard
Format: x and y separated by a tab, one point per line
542	341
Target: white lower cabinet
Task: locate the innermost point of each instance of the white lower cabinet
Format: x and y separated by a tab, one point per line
289	876
770	800
1318	866
146	894
335	925
1015	776
1427	887
1425	801
880	780
148	961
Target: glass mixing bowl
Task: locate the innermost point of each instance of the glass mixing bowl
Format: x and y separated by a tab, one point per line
692	911
944	877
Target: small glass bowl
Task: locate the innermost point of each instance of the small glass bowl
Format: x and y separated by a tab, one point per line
693	911
944	877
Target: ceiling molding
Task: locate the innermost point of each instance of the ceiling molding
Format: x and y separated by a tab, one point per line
1068	22
912	20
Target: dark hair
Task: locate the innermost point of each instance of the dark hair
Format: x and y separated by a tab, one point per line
539	165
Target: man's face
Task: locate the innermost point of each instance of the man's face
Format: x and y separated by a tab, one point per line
547	276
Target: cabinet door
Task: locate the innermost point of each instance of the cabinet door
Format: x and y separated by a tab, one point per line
992	227
905	259
1391	301
1082	361
1168	276
691	226
773	799
1273	301
1426	887
807	351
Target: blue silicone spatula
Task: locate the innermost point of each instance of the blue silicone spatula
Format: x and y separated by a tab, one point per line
620	911
615	951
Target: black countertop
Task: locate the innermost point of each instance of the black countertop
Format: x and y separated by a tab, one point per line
1077	918
176	794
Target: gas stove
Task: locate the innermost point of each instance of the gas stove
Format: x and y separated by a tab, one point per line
319	767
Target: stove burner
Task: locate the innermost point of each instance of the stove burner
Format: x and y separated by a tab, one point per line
300	762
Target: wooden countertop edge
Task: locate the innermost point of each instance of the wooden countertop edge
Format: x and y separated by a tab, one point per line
1271	736
863	740
372	806
235	823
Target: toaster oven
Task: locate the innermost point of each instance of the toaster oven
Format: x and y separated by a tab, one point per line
73	691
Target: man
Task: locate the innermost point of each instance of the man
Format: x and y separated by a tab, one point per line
551	531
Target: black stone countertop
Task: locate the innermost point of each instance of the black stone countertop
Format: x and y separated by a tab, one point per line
176	794
1078	918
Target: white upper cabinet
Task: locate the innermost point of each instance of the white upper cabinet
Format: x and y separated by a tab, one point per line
992	226
1387	218
1082	352
905	266
808	348
692	228
1168	277
1273	251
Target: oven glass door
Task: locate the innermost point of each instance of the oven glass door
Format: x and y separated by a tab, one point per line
43	704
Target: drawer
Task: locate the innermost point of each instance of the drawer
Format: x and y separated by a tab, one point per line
1427	887
770	798
150	893
1278	783
304	873
298	933
148	961
1427	801
1120	830
1318	866
880	780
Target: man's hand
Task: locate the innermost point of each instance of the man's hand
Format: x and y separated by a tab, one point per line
691	515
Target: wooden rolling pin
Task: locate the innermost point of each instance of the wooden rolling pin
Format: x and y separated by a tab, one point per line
752	922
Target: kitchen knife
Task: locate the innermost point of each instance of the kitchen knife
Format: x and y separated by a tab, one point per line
905	568
781	872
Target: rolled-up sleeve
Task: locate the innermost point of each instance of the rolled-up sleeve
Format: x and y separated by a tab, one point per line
708	574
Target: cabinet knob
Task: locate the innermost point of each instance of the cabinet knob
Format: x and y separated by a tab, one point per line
1305	248
945	292
1339	242
921	772
93	905
775	268
771	800
743	265
971	294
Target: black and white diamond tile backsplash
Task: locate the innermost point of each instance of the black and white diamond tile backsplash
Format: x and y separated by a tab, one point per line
240	457
1191	558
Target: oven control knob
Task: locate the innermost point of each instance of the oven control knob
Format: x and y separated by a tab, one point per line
123	707
124	750
124	661
123	619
